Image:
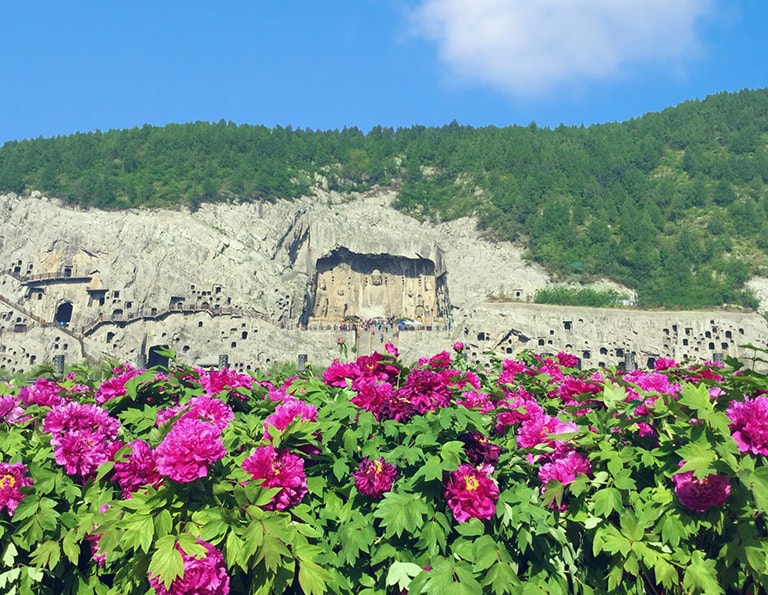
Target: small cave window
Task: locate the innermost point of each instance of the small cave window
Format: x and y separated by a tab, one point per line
567	324
63	314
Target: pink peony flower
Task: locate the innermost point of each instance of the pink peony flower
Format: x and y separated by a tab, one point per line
278	469
476	400
13	476
338	373
10	410
188	449
43	392
138	470
458	346
373	478
83	437
565	468
664	363
471	494
749	426
286	412
567	360
537	429
510	369
702	494
205	575
652	382
225	380
205	408
115	387
516	408
572	392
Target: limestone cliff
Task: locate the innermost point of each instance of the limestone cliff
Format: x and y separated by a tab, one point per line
268	281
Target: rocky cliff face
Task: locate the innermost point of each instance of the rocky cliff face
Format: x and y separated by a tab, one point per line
243	280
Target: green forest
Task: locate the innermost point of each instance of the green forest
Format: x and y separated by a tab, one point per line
672	204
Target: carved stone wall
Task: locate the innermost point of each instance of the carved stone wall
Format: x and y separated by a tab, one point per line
375	286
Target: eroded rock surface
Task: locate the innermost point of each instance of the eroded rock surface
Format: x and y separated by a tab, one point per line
248	280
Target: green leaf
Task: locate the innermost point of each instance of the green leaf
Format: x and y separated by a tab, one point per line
139	531
47	554
757	482
613	395
666	574
502	579
313	578
697	397
166	563
672	529
70	547
401	574
401	512
432	469
9	555
607	500
471	528
234	551
451	452
701	575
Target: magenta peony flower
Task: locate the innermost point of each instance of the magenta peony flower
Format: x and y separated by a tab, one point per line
376	397
373	478
652	382
139	470
188	449
204	408
206	575
278	469
226	380
664	363
10	410
516	408
426	390
391	350
43	392
471	494
115	387
567	360
480	450
338	373
511	368
458	346
535	430
565	468
749	426
13	476
575	392
702	494
82	436
286	412
476	400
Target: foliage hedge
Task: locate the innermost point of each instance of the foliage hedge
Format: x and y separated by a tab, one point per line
672	204
528	476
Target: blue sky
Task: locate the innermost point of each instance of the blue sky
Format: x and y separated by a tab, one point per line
70	67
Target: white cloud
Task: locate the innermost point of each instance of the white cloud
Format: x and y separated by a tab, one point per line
529	47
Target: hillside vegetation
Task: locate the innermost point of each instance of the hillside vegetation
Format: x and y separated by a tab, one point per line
672	204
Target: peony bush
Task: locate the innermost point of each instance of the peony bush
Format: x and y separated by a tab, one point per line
376	477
